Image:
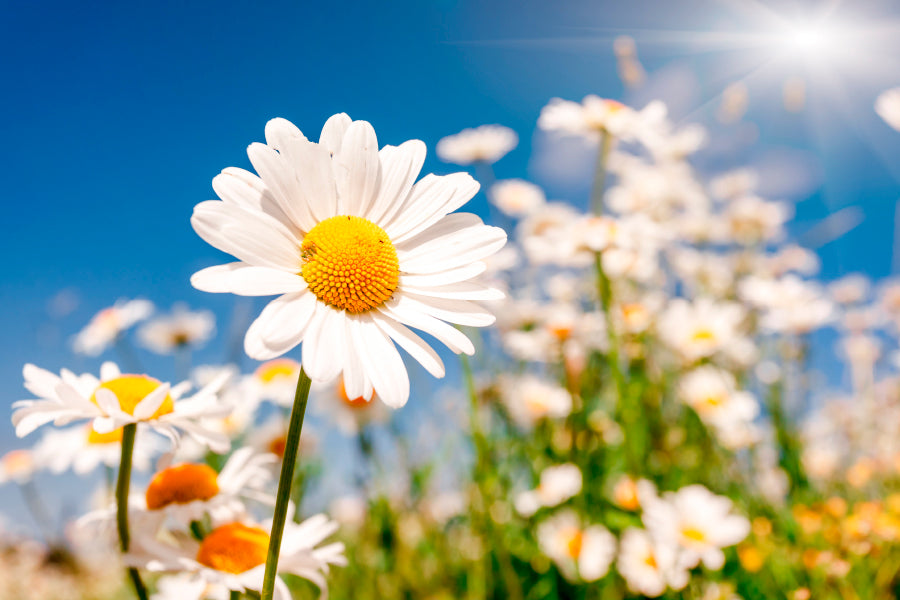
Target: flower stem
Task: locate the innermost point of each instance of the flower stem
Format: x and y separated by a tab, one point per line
122	484
285	483
600	173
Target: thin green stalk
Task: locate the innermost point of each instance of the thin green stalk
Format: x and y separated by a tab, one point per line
599	187
234	595
122	485
285	483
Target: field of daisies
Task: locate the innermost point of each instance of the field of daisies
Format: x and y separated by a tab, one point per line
625	411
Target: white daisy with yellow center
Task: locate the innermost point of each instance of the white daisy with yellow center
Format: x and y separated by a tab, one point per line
115	400
357	251
581	553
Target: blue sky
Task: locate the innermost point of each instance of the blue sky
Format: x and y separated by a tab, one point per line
116	118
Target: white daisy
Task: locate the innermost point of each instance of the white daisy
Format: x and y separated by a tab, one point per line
108	324
517	198
487	144
581	553
699	521
529	399
116	400
713	394
650	565
233	555
179	329
82	449
17	465
557	484
589	118
357	250
349	414
185	586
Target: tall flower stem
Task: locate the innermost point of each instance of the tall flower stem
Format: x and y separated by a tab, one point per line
285	483
122	485
599	186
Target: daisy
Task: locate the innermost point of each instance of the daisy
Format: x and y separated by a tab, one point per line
702	328
18	465
276	380
115	400
179	329
713	394
649	565
517	198
186	492
82	450
888	107
357	251
530	399
700	522
588	119
108	324
350	415
581	553
233	555
185	586
485	144
557	484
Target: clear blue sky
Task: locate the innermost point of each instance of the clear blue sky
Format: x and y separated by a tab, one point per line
116	118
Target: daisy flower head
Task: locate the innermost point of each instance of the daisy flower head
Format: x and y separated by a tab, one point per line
18	465
650	565
589	118
350	415
557	484
485	144
179	329
517	198
115	400
108	324
82	450
581	553
233	555
357	251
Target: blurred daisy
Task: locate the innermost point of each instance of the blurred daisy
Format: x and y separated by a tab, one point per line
179	329
356	250
581	553
589	118
700	522
350	415
517	198
276	380
702	328
648	565
116	400
17	465
713	394
485	144
233	555
82	450
108	324
271	437
185	586
530	399
557	484
887	105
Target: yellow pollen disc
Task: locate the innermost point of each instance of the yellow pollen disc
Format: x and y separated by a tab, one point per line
358	402
574	540
277	369
703	335
131	389
650	561
234	548
181	484
694	535
350	263
113	437
277	445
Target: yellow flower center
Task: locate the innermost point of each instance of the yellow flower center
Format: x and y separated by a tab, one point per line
650	560
113	437
573	540
234	548
277	445
693	535
131	389
280	368
350	263
703	335
181	484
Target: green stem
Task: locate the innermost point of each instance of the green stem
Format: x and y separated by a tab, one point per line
597	190
122	484
234	595
285	483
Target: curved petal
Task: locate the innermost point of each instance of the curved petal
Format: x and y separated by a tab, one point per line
246	280
381	361
357	170
413	344
400	165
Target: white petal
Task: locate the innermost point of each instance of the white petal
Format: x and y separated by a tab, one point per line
247	280
461	312
381	361
109	370
151	402
400	165
410	313
452	251
280	325
280	177
431	199
333	132
410	342
456	275
243	188
357	170
324	344
466	290
281	133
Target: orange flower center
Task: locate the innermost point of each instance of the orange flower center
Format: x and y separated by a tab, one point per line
234	548
277	446
358	402
182	484
131	389
574	540
350	263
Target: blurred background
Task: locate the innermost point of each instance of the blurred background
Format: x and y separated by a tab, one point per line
115	119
